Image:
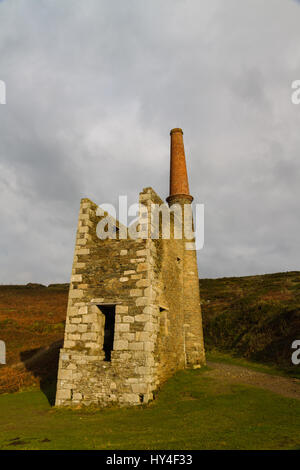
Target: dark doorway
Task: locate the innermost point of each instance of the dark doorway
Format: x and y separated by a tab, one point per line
109	311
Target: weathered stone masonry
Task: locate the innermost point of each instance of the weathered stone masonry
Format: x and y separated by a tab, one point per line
133	315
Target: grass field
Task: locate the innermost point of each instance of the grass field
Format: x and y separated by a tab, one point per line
192	411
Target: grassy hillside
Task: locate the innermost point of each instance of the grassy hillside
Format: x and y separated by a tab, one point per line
256	317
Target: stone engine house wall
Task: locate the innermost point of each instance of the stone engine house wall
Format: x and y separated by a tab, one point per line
152	286
133	316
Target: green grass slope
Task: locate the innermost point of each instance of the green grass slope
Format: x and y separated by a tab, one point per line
192	411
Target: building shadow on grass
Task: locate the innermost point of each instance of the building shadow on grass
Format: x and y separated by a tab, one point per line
43	364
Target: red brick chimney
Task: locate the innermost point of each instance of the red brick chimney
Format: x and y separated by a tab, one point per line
190	296
179	185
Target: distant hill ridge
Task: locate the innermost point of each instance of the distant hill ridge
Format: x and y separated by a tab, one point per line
35	285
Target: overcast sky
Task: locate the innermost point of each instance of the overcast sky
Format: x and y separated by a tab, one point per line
93	89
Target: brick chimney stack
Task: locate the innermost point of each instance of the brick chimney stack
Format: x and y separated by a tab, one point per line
190	296
179	185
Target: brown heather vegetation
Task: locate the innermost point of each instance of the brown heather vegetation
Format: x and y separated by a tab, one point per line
31	317
256	317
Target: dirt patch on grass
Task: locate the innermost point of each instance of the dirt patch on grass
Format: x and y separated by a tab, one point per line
287	387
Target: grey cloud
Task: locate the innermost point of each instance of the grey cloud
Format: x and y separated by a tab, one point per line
92	90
